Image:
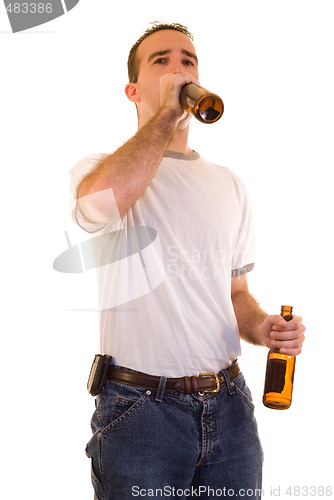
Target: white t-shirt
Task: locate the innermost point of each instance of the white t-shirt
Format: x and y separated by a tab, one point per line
165	294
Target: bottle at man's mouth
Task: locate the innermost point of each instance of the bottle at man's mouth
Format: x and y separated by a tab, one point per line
204	105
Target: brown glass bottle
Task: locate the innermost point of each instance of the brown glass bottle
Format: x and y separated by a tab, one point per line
204	105
279	374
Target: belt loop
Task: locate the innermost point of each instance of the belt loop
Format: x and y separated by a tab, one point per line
161	389
228	382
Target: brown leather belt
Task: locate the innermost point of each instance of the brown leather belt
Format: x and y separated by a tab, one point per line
205	382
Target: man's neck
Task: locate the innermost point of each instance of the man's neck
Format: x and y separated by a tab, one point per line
179	141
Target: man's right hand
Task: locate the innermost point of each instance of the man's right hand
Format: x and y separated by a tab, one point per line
171	85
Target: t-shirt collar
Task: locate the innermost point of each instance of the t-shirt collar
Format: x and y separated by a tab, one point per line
181	156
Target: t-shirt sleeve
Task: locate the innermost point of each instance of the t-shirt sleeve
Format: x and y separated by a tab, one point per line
89	219
243	257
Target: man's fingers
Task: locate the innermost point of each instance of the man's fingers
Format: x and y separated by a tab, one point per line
288	344
287	335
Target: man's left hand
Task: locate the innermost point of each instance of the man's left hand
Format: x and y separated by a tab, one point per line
287	336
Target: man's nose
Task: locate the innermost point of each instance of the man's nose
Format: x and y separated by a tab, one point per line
177	67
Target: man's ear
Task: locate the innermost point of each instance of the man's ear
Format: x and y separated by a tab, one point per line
131	92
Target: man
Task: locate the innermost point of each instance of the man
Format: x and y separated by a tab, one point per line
160	427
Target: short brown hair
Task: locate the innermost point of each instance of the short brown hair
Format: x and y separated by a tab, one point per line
133	63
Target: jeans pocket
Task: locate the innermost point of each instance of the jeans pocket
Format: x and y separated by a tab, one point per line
243	390
123	409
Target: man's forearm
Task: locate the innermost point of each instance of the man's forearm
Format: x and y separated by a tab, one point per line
249	317
131	168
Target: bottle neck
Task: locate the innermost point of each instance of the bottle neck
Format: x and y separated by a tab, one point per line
286	312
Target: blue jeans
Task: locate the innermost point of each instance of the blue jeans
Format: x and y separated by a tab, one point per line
174	445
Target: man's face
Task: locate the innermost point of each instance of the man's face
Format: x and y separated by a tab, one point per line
166	51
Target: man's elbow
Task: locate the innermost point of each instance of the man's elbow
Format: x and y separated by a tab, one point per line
99	205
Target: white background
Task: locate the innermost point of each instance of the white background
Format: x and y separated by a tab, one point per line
62	99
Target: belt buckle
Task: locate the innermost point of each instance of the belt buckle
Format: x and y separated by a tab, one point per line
217	382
